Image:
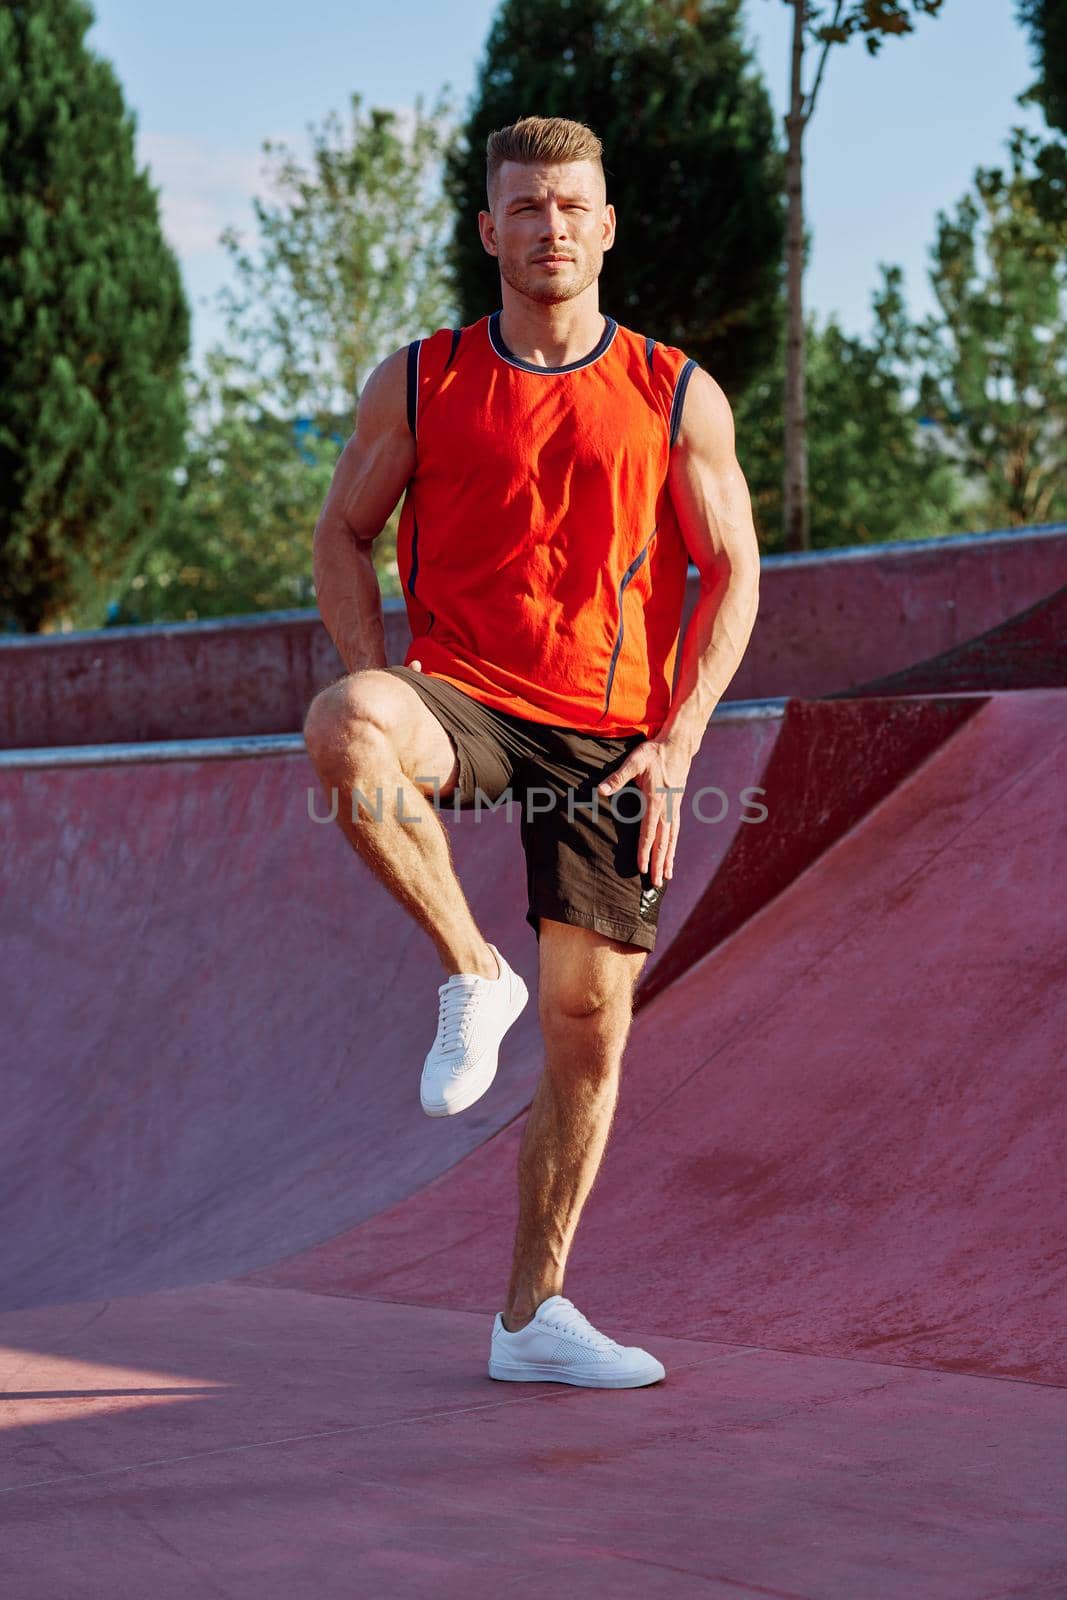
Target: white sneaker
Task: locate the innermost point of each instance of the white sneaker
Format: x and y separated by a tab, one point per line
560	1346
475	1013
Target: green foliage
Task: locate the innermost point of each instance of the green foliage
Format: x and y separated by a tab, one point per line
347	265
995	361
874	473
690	153
93	326
1046	22
873	19
954	423
349	259
250	488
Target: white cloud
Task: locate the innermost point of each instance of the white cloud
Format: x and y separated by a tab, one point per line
202	188
205	188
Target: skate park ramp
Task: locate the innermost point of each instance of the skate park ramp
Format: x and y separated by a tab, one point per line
247	1287
1023	652
881	1128
192	1084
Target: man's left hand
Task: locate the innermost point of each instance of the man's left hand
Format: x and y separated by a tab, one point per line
660	771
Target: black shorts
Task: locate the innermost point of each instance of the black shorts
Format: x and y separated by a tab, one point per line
581	863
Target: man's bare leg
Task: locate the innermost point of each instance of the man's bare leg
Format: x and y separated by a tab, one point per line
372	732
586	1008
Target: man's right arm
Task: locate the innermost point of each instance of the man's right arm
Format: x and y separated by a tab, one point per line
371	474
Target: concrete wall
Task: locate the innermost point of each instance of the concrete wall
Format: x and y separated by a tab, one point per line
828	621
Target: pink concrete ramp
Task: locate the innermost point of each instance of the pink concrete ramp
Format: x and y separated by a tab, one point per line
247	1287
833	1202
844	1131
1024	652
215	1018
831	764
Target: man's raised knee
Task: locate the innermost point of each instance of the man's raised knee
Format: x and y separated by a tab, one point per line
347	716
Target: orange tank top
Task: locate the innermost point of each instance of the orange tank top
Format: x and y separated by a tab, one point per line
542	564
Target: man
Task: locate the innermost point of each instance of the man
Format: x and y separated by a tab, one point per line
560	471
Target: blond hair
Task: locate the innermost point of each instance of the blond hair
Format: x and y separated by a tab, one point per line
540	141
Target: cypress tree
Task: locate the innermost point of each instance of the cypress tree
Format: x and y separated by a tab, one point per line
690	154
1046	23
94	326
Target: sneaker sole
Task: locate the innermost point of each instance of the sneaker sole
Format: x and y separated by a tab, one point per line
480	1078
533	1372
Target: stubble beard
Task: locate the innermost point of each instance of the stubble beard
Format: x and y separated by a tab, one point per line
548	290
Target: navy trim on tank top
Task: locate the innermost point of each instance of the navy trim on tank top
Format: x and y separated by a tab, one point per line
679	399
413	384
611	327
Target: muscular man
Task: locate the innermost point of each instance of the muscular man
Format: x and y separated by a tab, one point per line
560	472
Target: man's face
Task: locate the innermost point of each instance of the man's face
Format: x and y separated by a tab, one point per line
549	227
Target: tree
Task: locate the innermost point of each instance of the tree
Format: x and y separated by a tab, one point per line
1046	23
995	361
348	263
955	422
350	258
93	323
250	489
875	19
690	156
877	474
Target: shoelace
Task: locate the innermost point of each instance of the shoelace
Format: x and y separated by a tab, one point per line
454	1015
565	1316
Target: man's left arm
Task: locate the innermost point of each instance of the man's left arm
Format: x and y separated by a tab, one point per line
714	511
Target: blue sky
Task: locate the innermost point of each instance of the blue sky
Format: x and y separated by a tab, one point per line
894	138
